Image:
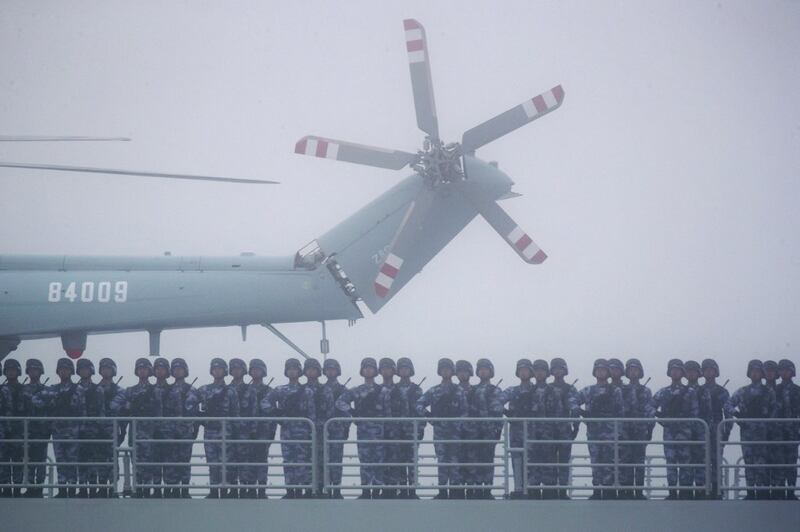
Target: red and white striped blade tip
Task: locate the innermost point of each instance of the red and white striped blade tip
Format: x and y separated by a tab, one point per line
526	246
317	147
387	274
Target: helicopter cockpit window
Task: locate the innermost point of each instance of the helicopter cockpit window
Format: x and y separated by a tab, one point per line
309	256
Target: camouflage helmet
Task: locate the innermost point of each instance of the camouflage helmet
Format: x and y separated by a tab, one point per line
541	364
770	365
161	362
485	363
291	363
445	363
84	363
367	362
179	363
218	362
600	363
11	363
143	363
691	365
257	363
754	364
615	363
66	363
634	363
108	363
464	366
559	363
34	363
524	363
312	363
237	363
332	363
710	363
785	364
674	363
404	362
386	362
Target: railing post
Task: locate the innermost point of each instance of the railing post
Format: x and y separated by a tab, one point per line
416	455
525	478
313	456
326	476
616	453
224	478
506	472
708	459
114	456
134	457
25	451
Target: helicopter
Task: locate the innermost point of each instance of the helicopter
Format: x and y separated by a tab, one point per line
367	258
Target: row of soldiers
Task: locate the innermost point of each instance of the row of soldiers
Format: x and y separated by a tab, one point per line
466	470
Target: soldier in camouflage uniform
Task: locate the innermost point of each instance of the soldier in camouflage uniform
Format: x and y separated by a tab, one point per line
467	452
338	430
216	400
105	452
638	403
773	433
677	401
788	399
616	370
239	429
602	399
63	400
485	400
289	401
711	411
325	409
543	406
392	405
445	400
37	430
263	431
697	453
565	404
755	400
364	401
95	406
162	430
177	403
410	392
140	400
12	404
520	404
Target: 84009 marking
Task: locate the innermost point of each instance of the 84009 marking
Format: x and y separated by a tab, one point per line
88	292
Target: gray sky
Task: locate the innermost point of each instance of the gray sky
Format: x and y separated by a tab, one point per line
664	190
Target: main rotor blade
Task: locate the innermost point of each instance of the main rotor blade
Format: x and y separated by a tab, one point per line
506	227
354	153
404	240
42	138
421	81
85	169
512	119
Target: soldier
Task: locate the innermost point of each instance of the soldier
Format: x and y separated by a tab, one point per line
638	403
697	454
677	401
616	370
324	409
410	392
446	400
162	430
106	430
393	405
12	404
37	430
711	411
467	452
63	400
485	400
544	406
755	400
216	400
180	401
337	430
773	434
602	399
294	400
788	398
95	406
365	403
239	429
140	400
520	404
264	431
565	402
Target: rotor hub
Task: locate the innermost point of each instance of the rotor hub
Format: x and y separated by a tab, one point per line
438	162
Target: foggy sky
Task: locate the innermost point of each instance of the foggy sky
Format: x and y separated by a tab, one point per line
665	190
